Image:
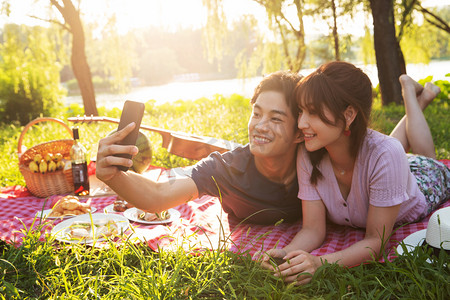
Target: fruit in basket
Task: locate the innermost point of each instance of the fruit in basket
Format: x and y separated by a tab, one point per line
60	165
37	158
34	167
51	166
57	157
48	157
43	166
48	162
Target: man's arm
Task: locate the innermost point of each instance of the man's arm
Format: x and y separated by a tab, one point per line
138	190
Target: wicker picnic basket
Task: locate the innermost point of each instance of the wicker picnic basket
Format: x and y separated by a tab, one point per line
50	183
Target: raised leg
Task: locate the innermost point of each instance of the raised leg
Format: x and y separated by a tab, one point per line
412	130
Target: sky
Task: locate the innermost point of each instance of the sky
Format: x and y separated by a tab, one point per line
170	14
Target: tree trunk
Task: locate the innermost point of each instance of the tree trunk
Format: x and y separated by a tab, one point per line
389	56
79	62
300	34
337	55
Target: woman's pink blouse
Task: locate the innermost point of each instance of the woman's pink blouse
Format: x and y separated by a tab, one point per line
381	177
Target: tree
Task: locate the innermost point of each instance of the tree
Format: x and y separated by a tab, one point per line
389	56
290	33
292	37
29	76
111	56
79	62
330	11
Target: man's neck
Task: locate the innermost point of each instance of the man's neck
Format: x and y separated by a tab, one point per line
278	169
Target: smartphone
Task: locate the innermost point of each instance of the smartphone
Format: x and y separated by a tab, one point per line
132	112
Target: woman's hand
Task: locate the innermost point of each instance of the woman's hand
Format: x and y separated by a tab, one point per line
299	267
107	147
267	258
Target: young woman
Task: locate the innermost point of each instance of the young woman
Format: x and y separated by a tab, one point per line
356	176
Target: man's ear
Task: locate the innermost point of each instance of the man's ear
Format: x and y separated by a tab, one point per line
299	136
350	115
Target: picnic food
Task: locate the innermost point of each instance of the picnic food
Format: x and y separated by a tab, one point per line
69	206
43	166
146	216
51	167
34	167
87	230
50	163
121	205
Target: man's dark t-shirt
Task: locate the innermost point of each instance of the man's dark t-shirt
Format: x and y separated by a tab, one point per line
246	193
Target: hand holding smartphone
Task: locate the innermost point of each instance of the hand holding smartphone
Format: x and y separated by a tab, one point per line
132	112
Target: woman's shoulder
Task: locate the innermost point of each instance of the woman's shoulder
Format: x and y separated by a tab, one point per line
377	144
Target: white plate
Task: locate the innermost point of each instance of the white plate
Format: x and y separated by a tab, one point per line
44	213
60	230
412	241
132	215
110	209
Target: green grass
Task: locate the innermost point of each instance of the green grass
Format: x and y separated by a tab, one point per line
48	270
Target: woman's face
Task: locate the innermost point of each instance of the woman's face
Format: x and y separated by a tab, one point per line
271	128
317	133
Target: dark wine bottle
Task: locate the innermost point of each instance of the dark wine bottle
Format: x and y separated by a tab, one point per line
79	166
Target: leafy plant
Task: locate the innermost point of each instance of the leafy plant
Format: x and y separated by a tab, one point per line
29	76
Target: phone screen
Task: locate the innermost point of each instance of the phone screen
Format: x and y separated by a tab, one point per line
132	112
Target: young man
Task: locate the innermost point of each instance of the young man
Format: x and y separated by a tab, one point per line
257	182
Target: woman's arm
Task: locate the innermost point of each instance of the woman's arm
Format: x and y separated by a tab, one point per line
134	188
380	223
313	231
308	238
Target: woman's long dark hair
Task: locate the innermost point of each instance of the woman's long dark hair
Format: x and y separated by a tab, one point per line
335	86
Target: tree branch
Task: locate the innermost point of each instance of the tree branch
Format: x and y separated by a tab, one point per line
442	24
285	45
58	6
405	15
51	21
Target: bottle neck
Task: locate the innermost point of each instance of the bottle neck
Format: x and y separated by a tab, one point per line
76	135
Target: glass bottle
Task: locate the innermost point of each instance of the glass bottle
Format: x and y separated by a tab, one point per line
79	166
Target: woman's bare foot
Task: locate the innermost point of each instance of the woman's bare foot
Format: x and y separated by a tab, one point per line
428	94
410	88
424	95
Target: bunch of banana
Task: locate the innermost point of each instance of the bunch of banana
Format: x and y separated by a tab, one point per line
50	163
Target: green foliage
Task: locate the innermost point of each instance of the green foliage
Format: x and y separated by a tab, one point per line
113	56
100	85
29	75
41	268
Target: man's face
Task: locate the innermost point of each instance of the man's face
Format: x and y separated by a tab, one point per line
272	129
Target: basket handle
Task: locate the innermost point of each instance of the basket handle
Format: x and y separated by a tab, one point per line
35	121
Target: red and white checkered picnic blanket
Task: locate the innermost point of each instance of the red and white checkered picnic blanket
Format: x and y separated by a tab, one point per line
203	224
